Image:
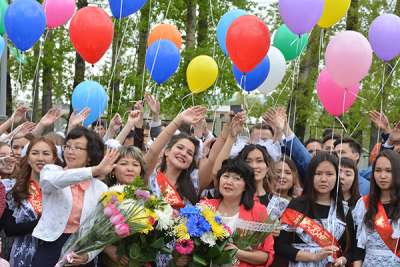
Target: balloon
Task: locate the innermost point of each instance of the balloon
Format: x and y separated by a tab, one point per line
201	73
254	78
92	95
91	32
162	60
58	12
25	22
224	24
348	58
277	71
3	9
247	41
19	57
384	36
289	43
335	99
334	10
301	15
165	32
124	8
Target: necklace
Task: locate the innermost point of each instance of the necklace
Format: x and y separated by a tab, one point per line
226	212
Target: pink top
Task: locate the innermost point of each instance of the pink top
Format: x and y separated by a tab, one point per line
258	214
78	194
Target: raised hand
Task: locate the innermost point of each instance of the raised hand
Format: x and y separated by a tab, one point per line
19	114
7	161
153	104
107	164
23	129
193	115
380	120
78	118
51	117
237	124
134	117
139	106
116	122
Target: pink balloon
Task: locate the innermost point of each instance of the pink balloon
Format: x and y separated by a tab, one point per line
58	12
348	58
335	99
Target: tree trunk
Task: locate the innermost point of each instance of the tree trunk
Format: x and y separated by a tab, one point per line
202	26
352	22
141	52
47	76
191	24
308	72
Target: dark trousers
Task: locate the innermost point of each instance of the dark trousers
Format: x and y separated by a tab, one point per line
48	253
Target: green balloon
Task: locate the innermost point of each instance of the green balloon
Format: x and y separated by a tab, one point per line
3	9
290	44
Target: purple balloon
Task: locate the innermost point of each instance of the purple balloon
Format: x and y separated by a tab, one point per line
384	36
301	15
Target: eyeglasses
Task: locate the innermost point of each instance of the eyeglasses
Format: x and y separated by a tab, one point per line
73	148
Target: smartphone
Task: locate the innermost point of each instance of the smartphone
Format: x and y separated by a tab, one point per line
236	108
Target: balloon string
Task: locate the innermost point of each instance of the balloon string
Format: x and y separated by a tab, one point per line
214	27
219	79
36	74
144	63
387	78
321	40
381	105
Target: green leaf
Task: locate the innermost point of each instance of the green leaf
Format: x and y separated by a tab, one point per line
199	260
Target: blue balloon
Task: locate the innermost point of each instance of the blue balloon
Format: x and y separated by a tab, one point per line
92	95
128	7
25	22
224	24
162	60
253	79
2	45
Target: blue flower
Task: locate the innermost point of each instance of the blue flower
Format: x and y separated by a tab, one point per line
218	219
197	226
189	210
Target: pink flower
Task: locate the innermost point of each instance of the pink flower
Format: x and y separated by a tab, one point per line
117	219
227	228
122	230
108	212
142	194
184	247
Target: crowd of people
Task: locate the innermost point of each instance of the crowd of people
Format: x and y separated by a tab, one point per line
331	212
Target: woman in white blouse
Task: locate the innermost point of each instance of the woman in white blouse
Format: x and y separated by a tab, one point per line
71	194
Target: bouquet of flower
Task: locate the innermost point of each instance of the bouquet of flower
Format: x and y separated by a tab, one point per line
143	247
115	217
249	235
200	232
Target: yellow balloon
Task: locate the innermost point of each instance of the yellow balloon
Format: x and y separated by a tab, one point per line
201	73
334	10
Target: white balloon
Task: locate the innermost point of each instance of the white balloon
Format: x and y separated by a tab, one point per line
276	73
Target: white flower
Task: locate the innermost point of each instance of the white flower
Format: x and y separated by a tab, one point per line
165	219
208	238
117	188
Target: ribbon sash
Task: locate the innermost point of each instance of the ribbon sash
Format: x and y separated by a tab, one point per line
35	197
384	228
317	232
169	192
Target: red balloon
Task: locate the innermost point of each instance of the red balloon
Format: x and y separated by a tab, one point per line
248	41
91	32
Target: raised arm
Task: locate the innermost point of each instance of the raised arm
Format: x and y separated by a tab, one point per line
236	127
16	117
77	118
47	120
189	116
115	125
134	116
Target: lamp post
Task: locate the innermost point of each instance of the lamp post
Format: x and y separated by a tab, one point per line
3	83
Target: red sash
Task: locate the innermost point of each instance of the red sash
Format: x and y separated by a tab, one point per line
317	232
383	227
35	197
169	192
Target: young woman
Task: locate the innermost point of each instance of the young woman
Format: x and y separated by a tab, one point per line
24	201
317	228
70	195
349	181
7	161
129	165
236	187
177	177
377	215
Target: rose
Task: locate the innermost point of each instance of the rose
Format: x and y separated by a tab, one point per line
122	230
117	219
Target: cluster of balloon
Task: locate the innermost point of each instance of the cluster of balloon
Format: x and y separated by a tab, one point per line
290	44
92	95
3	9
384	36
201	74
91	32
122	8
253	79
58	12
24	22
163	55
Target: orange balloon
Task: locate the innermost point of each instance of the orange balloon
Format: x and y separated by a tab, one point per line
165	31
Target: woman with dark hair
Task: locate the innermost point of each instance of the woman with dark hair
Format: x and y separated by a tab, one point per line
236	187
377	215
177	177
7	161
317	228
24	201
70	195
349	181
